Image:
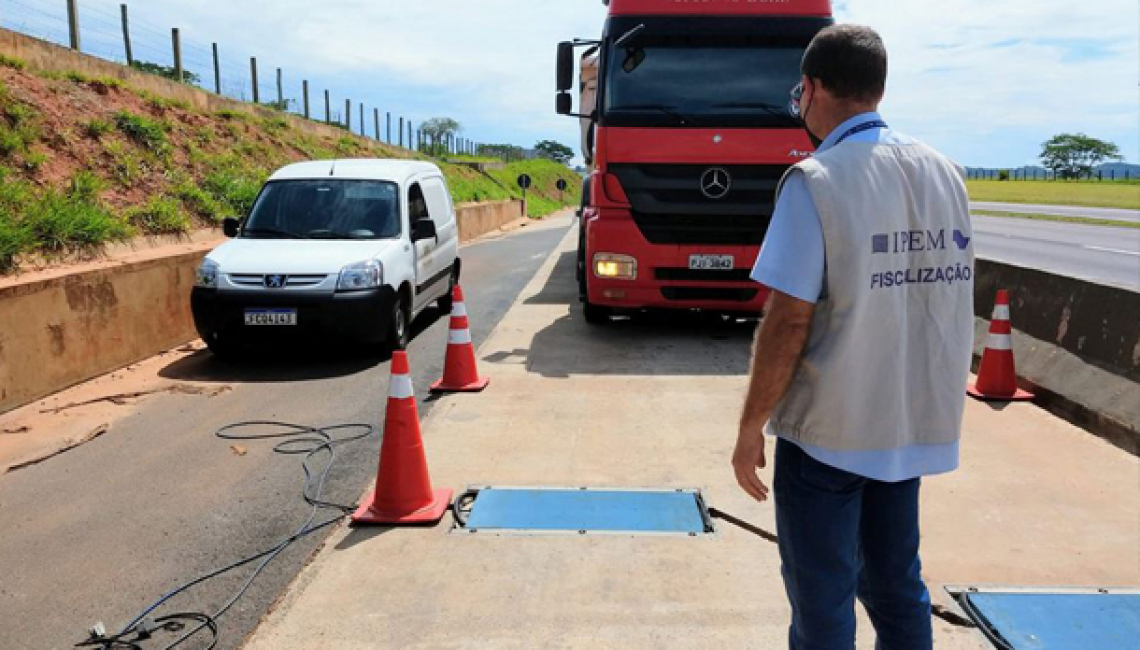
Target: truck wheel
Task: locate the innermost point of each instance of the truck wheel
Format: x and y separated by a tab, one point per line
399	327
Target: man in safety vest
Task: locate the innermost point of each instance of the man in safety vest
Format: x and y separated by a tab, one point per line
860	363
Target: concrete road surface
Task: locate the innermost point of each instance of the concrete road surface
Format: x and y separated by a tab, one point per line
100	532
1098	253
1116	214
654	403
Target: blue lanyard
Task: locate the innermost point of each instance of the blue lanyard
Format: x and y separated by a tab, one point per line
859	128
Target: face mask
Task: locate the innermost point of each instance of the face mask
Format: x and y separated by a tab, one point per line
815	140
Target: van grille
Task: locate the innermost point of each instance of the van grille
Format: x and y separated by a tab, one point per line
669	207
249	280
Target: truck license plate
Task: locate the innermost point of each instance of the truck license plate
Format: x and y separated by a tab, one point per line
271	317
710	262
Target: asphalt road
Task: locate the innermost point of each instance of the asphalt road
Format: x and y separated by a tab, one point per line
1098	253
1116	214
100	532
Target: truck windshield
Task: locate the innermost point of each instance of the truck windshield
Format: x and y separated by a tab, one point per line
702	82
325	209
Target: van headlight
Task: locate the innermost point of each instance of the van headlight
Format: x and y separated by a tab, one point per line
207	276
618	267
362	275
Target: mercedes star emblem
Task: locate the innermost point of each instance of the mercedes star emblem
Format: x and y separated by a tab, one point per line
715	183
275	281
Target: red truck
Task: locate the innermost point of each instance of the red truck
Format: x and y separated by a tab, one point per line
688	131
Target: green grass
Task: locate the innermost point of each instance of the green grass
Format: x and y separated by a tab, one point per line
199	201
1097	194
18	126
161	215
1060	218
97	128
126	164
234	183
149	133
12	62
56	222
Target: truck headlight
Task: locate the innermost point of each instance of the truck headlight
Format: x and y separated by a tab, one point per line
207	275
619	267
362	275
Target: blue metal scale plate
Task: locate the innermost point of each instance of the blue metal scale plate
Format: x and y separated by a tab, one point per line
578	510
1060	621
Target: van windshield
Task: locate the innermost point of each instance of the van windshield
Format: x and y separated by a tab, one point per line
325	209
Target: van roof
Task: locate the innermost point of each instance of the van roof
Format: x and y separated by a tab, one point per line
384	169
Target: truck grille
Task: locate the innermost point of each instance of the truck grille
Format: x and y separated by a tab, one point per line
669	207
707	293
699	275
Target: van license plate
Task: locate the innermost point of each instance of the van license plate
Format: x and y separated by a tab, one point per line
271	317
710	262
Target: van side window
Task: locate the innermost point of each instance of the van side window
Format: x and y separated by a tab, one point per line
417	205
438	200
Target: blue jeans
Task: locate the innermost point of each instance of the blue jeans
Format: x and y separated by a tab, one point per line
844	536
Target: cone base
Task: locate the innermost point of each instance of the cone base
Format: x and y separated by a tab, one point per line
1018	396
367	514
474	387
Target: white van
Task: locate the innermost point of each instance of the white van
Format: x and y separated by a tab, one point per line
335	248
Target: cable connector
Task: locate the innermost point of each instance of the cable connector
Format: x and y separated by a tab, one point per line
145	627
97	632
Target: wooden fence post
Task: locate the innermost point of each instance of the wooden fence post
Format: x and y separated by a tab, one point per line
73	23
328	109
402	132
388	126
376	121
176	43
280	92
362	127
217	71
126	35
253	73
348	115
305	92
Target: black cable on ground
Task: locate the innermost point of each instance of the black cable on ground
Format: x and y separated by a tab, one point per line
459	507
297	440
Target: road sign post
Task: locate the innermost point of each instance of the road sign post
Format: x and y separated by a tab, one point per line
524	182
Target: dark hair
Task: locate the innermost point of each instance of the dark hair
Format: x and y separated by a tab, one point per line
850	61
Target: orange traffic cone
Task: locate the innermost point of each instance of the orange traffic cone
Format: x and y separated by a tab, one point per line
403	492
997	379
459	372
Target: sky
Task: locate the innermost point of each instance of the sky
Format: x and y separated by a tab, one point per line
986	82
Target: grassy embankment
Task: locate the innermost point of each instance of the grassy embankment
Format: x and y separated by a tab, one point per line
86	161
1096	194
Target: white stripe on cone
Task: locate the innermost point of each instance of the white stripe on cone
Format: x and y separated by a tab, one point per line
458	309
459	337
1001	312
400	387
999	342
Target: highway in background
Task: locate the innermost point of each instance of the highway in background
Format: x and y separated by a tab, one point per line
1115	214
1102	254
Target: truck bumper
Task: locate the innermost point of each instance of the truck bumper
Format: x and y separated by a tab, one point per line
664	280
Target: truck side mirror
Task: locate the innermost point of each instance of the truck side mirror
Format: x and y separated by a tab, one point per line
230	227
565	66
563	103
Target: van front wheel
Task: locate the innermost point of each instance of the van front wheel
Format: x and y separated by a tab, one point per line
399	327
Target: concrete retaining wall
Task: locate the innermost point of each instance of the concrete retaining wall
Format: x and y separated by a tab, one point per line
60	331
49	57
1076	345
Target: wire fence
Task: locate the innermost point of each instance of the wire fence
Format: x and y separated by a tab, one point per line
1095	176
98	30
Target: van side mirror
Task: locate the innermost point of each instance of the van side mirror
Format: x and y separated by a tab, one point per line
563	103
230	227
565	80
424	229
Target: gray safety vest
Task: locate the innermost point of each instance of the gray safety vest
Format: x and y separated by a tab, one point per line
887	358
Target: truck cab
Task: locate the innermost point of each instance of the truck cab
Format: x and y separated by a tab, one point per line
691	130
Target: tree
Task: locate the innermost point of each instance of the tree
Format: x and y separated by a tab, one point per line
555	151
439	129
1072	155
166	71
505	152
